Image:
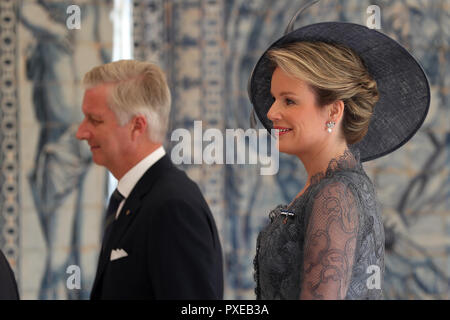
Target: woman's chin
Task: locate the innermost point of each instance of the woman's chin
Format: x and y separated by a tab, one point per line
283	149
288	148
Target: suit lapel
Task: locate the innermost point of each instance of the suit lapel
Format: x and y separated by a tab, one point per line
128	213
134	201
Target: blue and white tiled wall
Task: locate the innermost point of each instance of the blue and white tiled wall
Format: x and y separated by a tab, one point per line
52	196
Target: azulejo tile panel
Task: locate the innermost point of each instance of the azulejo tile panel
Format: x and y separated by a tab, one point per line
47	214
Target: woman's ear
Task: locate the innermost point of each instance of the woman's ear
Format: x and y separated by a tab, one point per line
336	111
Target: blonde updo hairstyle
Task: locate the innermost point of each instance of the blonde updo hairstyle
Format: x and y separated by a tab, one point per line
334	72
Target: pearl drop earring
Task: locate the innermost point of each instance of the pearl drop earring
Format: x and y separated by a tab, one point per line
330	125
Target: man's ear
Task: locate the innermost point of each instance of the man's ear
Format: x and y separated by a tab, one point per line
139	126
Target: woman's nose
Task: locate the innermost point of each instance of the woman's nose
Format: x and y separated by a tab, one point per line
273	114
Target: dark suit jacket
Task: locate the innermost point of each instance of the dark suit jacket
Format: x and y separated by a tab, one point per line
170	236
8	285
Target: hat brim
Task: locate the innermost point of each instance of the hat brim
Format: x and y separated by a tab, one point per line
402	84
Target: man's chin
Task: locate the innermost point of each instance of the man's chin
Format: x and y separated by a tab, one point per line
97	160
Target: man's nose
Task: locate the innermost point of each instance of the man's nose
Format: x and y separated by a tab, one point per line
82	133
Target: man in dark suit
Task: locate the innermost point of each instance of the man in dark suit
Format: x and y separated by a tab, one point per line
160	239
8	285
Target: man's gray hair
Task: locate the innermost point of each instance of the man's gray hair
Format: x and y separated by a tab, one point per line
138	88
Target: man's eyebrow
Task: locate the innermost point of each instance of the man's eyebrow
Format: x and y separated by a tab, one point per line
93	116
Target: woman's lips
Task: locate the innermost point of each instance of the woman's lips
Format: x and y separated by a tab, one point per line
281	130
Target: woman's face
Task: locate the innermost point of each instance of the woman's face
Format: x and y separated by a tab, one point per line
300	122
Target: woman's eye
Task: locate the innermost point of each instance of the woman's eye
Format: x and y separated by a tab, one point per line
289	101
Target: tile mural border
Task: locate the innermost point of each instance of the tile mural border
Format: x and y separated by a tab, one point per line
9	137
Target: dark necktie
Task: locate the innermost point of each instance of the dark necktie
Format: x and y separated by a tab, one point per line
114	202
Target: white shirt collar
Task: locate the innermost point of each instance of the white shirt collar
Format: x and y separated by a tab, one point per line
129	180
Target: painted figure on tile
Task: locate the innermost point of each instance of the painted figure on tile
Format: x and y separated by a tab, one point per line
56	60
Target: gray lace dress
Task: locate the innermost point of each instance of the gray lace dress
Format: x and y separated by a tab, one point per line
328	243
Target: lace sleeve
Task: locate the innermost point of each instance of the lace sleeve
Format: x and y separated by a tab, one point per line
330	243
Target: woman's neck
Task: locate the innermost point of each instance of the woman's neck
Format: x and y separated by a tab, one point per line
318	160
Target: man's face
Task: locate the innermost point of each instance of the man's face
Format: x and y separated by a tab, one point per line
109	142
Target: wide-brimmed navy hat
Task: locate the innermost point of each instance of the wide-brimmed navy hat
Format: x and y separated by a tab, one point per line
404	92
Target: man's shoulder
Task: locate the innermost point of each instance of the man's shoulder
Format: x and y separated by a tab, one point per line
8	288
174	183
174	177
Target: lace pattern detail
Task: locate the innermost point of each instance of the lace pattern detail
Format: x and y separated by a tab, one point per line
342	198
349	161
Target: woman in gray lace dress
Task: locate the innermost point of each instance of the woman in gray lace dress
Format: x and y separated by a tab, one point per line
336	94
